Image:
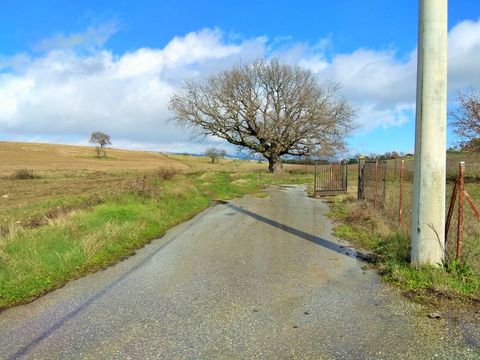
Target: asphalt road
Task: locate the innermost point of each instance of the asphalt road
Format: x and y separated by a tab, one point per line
258	278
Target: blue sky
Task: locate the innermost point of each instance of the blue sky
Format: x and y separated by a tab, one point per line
69	68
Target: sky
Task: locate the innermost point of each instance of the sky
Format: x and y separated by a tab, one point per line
68	68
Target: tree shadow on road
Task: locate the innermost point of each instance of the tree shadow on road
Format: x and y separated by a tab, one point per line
340	249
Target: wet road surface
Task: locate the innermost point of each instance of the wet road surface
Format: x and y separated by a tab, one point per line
257	278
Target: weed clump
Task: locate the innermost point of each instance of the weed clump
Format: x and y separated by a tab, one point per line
148	185
24	174
141	186
166	173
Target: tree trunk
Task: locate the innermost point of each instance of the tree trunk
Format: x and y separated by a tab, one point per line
274	165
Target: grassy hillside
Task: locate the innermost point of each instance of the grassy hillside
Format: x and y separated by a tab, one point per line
48	158
67	177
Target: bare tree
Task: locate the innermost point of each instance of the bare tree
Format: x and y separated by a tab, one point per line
212	153
270	108
466	119
215	154
101	140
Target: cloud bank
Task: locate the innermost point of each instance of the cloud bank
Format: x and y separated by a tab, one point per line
75	86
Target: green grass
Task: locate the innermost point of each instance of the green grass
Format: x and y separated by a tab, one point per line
378	231
87	238
370	229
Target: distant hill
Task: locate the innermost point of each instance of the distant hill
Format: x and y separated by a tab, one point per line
47	157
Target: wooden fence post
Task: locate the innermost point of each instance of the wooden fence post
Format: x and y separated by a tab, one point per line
345	176
359	183
461	190
384	184
453	199
395	170
400	208
375	199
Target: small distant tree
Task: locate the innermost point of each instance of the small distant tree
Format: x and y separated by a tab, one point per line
101	140
466	120
215	154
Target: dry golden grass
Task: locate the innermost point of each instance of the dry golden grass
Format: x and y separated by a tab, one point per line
200	163
47	158
68	177
72	177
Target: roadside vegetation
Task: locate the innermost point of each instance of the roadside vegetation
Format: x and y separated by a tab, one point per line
378	230
66	223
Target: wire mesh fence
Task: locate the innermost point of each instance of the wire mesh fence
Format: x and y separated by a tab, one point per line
393	191
372	177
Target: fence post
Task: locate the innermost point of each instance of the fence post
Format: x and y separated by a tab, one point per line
395	170
359	195
384	184
375	198
330	176
461	190
400	208
345	175
453	199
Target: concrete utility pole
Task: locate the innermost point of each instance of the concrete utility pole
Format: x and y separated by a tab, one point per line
428	239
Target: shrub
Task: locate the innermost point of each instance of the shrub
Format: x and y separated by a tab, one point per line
141	186
24	174
166	173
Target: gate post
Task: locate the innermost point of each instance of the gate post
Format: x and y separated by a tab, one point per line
375	198
345	176
359	184
400	205
461	191
385	174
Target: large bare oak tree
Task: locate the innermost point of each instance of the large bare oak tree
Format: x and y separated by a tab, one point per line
466	120
271	108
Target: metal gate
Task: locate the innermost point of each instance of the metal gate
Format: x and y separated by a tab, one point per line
372	176
330	179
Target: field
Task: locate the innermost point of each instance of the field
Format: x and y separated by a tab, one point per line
378	229
72	177
71	213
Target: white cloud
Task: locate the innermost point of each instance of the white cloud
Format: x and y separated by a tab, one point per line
94	37
381	87
69	93
464	55
66	93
